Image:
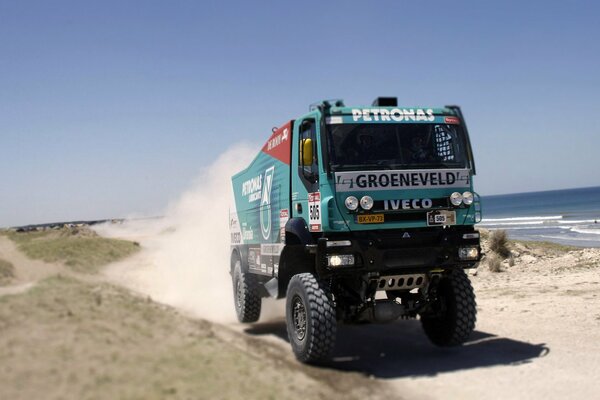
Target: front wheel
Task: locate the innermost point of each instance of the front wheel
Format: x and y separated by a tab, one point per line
451	318
310	318
246	300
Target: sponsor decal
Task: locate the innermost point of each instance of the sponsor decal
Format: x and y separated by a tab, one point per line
386	180
247	234
236	238
265	203
406	204
271	249
234	229
278	139
314	211
279	144
254	258
452	120
284	216
252	188
395	114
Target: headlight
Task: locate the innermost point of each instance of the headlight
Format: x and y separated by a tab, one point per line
468	253
340	260
366	202
468	198
351	203
456	199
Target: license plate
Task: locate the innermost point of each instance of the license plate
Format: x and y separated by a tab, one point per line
441	217
370	219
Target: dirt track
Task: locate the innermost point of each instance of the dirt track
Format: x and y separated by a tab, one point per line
537	337
533	340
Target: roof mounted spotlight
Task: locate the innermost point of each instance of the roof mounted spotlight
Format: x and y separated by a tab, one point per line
385	102
326	104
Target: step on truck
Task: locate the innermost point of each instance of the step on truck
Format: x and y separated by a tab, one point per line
359	214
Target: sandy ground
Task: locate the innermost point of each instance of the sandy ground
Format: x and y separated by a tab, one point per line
537	335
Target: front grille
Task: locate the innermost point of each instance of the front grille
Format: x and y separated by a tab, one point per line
406	217
411	257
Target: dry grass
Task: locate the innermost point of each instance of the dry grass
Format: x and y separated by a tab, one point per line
493	262
499	243
66	339
7	272
79	248
547	247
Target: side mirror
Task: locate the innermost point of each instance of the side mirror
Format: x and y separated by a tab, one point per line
307	152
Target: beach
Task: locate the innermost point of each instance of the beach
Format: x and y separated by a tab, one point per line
569	216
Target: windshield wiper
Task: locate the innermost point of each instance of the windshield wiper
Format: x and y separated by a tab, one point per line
445	165
354	167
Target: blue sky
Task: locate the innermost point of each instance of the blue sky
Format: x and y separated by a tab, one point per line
111	108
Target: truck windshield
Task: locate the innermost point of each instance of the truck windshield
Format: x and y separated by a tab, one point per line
395	146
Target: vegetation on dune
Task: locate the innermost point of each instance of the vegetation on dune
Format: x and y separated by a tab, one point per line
68	339
79	248
552	248
7	272
500	252
493	262
499	243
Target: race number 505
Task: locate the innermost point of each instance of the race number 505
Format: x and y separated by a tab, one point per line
314	211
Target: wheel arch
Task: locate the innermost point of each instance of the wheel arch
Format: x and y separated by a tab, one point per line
238	253
295	258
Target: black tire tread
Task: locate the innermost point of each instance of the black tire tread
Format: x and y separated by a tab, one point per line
321	317
455	330
251	302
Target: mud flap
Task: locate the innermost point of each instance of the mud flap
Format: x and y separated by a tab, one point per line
272	287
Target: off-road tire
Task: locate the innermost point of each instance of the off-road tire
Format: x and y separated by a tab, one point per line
245	298
453	316
310	318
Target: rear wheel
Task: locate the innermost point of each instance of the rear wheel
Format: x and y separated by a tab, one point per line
310	318
246	300
452	316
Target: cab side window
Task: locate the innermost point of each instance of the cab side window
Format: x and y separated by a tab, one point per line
309	165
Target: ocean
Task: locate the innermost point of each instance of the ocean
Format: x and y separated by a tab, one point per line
570	216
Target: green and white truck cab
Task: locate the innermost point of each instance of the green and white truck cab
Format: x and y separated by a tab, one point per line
359	214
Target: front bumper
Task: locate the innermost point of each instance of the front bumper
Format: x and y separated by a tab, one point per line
400	251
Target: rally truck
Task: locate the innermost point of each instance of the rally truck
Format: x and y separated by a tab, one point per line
359	214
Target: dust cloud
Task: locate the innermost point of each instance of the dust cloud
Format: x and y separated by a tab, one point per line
184	260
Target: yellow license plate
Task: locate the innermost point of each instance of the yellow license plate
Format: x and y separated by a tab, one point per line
370	219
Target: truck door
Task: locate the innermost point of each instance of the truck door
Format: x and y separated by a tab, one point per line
306	202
